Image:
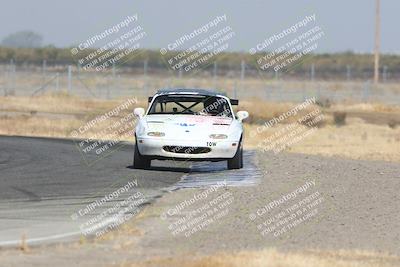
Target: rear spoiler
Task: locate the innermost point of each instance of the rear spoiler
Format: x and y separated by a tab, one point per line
234	102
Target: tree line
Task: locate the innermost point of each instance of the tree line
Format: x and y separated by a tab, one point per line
334	63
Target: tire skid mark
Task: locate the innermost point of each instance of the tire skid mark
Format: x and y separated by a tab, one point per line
204	174
31	196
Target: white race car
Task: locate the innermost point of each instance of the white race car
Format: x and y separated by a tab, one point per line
189	124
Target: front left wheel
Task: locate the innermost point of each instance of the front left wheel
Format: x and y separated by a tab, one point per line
139	161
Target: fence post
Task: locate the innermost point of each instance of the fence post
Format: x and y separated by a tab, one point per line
12	76
44	66
69	78
108	87
215	74
384	73
312	72
5	80
235	90
180	73
113	83
78	70
348	72
57	81
366	91
145	67
242	71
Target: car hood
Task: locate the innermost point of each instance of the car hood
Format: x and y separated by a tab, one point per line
187	126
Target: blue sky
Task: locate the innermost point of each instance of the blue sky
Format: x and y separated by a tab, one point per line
348	25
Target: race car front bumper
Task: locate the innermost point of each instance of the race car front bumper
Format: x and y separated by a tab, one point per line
160	148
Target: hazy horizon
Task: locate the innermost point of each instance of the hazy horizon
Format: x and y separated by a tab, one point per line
348	26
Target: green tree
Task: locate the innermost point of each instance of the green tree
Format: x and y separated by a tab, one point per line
23	39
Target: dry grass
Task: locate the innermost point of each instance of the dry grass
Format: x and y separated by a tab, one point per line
275	258
261	111
371	107
56	115
61	103
356	140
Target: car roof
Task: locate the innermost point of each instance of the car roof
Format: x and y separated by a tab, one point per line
207	92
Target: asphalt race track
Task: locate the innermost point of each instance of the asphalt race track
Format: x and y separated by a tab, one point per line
43	182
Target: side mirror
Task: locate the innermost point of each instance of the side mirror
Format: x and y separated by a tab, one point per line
241	115
138	112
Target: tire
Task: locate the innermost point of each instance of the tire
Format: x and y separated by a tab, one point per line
237	161
139	161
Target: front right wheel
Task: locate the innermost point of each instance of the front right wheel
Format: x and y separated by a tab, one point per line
237	161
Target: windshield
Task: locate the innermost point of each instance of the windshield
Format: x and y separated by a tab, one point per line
191	104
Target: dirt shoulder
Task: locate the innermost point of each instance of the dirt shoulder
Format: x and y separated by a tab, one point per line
355	140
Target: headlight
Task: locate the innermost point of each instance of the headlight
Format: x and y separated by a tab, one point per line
218	136
159	134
